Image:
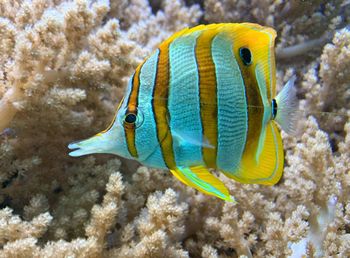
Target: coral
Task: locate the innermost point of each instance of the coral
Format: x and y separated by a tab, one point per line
332	83
64	65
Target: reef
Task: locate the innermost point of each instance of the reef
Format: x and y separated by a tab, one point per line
63	69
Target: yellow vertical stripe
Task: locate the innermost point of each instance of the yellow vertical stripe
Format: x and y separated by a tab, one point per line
129	129
207	95
160	106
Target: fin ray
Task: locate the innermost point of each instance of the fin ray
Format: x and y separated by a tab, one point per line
287	107
189	138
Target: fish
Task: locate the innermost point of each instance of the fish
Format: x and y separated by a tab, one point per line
205	100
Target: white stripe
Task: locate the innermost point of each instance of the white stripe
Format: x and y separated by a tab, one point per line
184	107
147	144
117	127
232	106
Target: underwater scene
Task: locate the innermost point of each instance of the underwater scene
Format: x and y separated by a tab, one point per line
174	128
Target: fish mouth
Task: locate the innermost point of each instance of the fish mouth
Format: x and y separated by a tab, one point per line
98	143
77	149
101	143
73	146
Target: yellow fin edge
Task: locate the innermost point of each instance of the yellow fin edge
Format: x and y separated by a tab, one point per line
268	169
201	179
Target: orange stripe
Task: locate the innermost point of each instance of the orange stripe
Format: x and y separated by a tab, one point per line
207	94
132	102
160	106
129	129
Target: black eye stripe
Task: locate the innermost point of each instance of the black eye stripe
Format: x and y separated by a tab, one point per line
245	55
130	118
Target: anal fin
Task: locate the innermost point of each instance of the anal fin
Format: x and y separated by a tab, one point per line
201	179
265	166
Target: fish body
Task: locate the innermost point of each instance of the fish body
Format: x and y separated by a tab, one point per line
205	98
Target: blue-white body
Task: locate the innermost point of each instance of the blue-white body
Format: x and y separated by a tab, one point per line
203	99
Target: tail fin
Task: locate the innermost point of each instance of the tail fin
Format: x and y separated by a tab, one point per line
287	107
100	143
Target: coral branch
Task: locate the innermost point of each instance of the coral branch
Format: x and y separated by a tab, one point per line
7	108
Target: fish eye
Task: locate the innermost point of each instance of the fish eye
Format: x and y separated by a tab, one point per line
245	55
130	118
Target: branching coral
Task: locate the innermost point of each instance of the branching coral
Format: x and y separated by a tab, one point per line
63	68
22	241
320	184
326	85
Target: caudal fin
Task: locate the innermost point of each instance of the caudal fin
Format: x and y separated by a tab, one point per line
287	107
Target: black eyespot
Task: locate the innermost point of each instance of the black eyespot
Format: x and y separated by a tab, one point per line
245	55
274	108
130	118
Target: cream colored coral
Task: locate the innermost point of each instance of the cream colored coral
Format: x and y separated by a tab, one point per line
12	228
326	85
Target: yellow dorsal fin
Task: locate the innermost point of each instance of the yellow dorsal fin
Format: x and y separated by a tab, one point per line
266	165
201	179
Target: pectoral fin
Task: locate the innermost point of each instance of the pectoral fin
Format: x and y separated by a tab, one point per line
189	138
202	180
